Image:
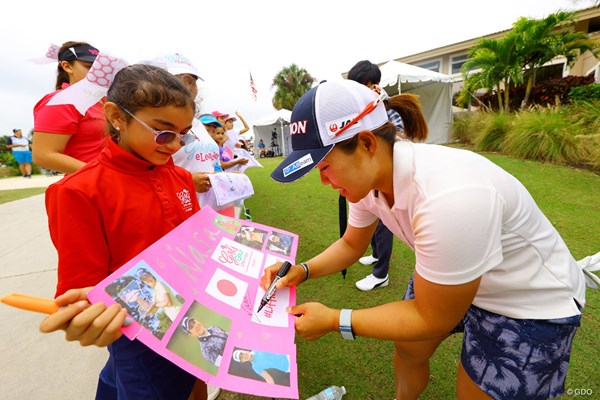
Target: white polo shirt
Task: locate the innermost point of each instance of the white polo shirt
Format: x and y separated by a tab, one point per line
22	140
465	217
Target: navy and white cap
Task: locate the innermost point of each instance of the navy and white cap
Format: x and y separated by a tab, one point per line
319	116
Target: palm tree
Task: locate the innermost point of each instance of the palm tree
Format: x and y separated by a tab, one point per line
291	83
542	40
475	81
499	66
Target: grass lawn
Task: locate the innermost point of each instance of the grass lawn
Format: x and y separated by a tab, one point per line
569	197
17	194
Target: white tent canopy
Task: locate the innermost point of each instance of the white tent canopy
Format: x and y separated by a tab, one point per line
277	122
434	91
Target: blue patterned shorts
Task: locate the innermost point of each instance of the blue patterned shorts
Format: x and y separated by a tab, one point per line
515	358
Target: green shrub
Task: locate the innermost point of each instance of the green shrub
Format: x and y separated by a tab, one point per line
584	118
585	93
544	135
466	127
589	148
493	131
565	134
8	160
586	114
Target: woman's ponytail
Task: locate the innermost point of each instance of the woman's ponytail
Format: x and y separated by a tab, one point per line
409	108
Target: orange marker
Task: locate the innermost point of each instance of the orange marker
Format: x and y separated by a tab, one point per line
31	303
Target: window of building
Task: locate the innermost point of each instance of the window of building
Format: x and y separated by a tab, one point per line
457	62
431	65
594	25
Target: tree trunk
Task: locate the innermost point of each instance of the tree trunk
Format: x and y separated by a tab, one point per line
507	97
530	83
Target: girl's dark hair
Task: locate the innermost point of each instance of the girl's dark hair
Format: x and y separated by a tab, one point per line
140	85
415	126
61	74
364	72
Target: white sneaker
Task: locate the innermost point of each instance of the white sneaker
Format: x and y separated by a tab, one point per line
213	392
368	260
371	282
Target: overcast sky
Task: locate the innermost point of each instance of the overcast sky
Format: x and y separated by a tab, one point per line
228	39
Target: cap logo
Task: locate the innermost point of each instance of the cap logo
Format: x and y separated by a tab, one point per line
336	125
298	127
179	59
298	165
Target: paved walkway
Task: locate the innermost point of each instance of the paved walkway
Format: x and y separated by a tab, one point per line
36	365
18	182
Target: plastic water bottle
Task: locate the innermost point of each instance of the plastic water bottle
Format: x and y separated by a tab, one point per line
331	393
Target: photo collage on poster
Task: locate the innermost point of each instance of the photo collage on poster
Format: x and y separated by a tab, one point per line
194	295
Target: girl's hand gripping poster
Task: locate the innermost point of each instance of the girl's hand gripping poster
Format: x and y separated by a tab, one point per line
193	297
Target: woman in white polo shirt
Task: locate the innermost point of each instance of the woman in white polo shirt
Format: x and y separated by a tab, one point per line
488	262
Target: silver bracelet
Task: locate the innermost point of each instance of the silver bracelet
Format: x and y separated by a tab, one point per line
306	271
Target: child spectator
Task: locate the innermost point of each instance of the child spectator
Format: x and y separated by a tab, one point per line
232	133
112	209
228	159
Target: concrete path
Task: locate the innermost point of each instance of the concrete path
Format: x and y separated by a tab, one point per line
18	182
36	365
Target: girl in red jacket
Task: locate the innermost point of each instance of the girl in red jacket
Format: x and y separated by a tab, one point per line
112	209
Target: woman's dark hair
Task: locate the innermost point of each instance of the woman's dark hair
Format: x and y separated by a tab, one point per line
415	126
364	72
61	74
140	85
409	108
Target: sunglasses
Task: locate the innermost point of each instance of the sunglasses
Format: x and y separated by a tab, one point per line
165	137
369	108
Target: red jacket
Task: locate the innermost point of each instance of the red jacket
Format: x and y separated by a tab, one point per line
110	210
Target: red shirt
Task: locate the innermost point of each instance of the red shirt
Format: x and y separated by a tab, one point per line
88	132
110	210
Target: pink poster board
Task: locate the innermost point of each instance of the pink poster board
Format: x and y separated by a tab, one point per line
208	269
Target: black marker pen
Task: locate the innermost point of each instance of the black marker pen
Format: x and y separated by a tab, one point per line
283	270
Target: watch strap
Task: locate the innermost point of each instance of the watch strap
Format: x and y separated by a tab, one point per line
346	324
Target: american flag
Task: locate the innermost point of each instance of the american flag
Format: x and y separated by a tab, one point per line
252	87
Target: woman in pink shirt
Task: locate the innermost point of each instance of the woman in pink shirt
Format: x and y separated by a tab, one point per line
65	140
